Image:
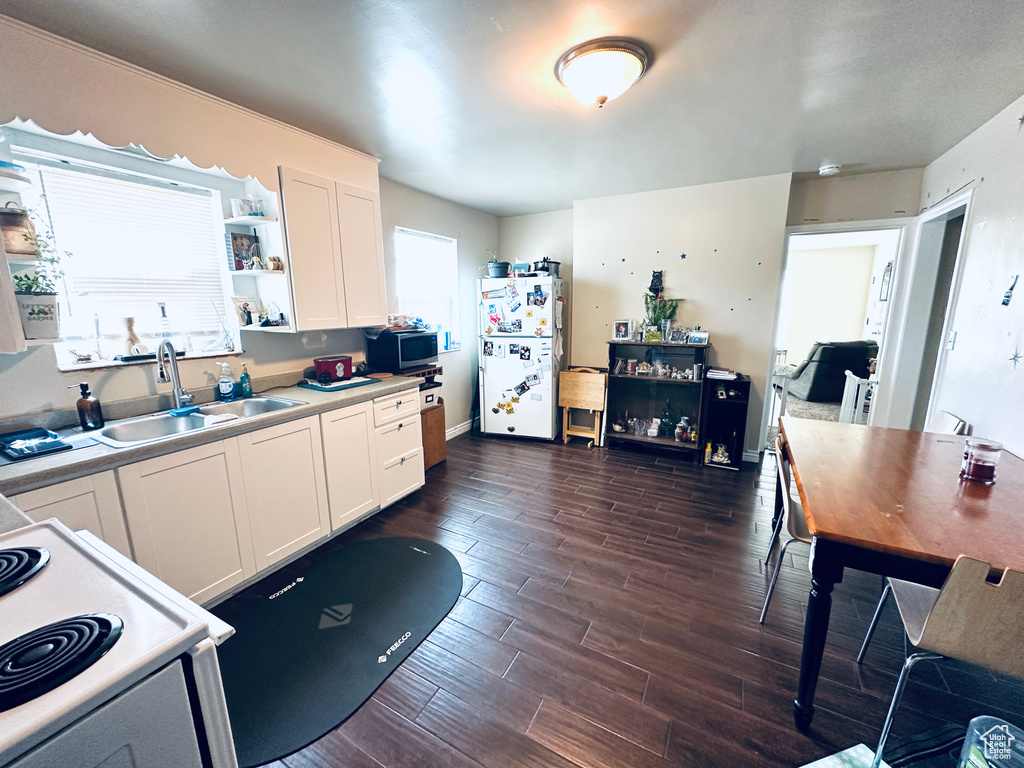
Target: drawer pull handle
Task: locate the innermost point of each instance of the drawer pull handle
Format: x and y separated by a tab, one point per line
398	403
400	427
402	461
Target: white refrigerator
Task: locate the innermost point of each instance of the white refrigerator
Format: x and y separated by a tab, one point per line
521	353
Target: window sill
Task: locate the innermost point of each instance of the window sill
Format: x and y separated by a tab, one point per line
102	364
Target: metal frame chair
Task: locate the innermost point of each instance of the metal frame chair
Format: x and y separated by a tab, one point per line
968	619
792	513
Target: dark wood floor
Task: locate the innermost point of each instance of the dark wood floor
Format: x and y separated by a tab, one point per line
609	618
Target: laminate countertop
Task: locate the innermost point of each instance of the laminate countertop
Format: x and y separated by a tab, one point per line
42	471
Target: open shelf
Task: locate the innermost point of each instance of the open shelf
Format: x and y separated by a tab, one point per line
665	441
653	379
249	221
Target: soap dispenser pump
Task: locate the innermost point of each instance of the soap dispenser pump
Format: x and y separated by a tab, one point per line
90	414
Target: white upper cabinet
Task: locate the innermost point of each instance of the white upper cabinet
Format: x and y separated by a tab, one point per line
336	252
362	254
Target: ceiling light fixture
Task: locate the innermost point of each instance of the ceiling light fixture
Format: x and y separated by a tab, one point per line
597	71
832	169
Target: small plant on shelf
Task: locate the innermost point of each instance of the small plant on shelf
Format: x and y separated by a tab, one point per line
43	279
658	309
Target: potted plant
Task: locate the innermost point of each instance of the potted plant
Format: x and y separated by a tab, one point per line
659	310
36	292
494	267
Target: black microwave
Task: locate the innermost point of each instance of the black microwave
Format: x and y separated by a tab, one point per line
397	352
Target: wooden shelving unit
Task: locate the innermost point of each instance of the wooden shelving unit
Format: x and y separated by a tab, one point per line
644	396
725	417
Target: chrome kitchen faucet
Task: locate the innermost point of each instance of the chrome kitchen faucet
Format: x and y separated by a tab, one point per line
166	349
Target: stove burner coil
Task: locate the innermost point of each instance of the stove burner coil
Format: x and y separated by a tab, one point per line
39	661
19	565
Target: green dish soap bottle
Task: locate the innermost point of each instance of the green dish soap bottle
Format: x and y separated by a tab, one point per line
245	383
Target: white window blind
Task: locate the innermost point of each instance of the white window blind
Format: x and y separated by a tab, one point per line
135	245
427	269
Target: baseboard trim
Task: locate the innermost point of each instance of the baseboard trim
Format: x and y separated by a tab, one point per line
752	456
458	429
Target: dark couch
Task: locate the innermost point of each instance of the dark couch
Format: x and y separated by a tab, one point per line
821	377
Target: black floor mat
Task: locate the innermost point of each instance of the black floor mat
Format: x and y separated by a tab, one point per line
315	639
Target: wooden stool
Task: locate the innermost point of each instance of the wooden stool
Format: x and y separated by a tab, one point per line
582	389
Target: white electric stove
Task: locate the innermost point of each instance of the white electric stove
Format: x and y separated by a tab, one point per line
101	663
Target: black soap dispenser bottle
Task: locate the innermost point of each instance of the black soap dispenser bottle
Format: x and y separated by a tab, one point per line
90	415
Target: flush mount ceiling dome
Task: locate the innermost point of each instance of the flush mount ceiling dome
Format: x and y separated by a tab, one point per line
597	71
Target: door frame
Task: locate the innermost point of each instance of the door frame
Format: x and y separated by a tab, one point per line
905	225
963	200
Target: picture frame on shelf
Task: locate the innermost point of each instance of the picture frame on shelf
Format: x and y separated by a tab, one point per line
698	337
243	247
678	335
623	330
248	310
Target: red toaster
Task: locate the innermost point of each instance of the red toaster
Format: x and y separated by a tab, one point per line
338	367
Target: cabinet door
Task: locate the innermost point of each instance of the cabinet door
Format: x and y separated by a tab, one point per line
350	456
92	503
362	254
401	476
398	438
310	210
187	518
283	469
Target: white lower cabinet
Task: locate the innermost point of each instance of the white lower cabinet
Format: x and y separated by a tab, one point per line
283	470
399	445
401	476
188	518
350	458
205	519
91	502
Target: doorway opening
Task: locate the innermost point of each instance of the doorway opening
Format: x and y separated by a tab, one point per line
926	333
832	316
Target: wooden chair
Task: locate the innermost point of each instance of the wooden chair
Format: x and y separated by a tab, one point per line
968	619
582	389
792	513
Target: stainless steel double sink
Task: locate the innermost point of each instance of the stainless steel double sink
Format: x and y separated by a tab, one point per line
163	426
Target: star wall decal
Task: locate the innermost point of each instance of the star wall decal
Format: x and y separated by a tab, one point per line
1015	358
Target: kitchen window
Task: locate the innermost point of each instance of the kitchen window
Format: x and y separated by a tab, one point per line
427	268
142	248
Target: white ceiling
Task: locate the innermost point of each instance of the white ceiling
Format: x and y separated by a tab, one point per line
458	97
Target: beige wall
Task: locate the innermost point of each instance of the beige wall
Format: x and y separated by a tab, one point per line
863	197
64	87
475	232
733	236
532	238
828	296
980	383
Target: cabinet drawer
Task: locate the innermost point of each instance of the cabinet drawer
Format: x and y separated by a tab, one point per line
398	438
395	407
401	476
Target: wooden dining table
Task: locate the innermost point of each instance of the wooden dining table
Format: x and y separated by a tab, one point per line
890	501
